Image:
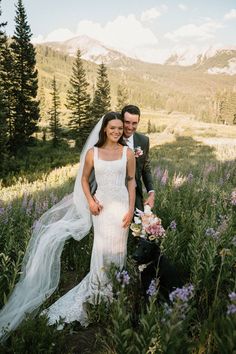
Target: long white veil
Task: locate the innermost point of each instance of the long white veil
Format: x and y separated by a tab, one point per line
41	264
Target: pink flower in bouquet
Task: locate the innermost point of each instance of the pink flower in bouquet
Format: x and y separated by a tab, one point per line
147	225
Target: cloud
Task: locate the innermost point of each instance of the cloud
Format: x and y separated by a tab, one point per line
153	13
150	14
193	32
230	15
124	33
182	7
58	35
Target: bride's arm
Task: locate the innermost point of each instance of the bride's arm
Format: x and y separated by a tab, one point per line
94	207
131	168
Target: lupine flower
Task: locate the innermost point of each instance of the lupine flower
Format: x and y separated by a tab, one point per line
152	290
173	225
232	296
123	278
211	232
190	177
164	178
2	210
158	172
182	294
233	198
231	309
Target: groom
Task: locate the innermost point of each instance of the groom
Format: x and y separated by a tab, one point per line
139	143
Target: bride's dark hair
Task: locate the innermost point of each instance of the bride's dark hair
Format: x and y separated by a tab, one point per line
106	119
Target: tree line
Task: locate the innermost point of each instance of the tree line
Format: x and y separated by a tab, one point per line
20	107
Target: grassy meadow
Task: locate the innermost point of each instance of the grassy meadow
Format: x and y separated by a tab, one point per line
194	169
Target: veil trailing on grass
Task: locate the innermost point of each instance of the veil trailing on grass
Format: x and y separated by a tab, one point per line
41	264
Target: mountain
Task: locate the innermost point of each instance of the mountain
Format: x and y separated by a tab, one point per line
222	62
90	48
213	61
191	89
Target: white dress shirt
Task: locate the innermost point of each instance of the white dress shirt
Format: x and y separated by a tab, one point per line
130	142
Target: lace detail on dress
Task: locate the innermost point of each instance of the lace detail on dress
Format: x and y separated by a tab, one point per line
110	242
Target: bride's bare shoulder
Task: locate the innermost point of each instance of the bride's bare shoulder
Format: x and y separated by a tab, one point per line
89	154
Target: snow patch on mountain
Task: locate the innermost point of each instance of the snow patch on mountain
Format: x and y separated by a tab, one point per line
230	69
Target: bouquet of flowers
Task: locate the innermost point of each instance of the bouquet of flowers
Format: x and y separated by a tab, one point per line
147	225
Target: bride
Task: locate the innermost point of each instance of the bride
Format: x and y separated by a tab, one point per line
110	211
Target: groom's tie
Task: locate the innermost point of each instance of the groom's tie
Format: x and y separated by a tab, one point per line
128	142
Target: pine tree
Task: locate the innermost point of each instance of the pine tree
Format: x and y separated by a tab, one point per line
122	97
42	104
54	113
3	105
102	100
78	102
26	110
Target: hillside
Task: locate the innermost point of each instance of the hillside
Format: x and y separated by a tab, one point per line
151	86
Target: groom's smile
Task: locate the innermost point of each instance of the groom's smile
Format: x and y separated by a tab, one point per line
130	124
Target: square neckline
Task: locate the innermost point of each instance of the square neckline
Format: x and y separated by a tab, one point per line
122	156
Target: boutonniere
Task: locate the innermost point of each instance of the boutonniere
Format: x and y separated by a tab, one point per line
138	151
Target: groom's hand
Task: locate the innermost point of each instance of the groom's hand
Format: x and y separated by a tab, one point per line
150	200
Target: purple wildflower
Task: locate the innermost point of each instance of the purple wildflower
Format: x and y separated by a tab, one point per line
182	294
173	225
190	177
164	178
212	233
232	296
152	290
2	210
123	278
158	172
231	309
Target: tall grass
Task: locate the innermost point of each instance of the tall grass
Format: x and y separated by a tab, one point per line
195	200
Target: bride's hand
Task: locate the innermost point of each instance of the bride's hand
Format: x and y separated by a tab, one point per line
127	219
95	207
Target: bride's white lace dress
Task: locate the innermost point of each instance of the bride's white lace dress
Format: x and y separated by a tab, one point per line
109	246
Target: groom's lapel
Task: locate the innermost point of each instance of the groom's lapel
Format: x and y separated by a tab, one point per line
137	143
135	140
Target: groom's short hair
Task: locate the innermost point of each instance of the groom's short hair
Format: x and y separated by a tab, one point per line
130	109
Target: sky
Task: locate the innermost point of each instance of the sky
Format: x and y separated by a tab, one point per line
148	30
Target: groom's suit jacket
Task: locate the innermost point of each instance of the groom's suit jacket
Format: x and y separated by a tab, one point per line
143	168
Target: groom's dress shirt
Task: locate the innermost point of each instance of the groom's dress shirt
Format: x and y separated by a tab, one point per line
130	142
